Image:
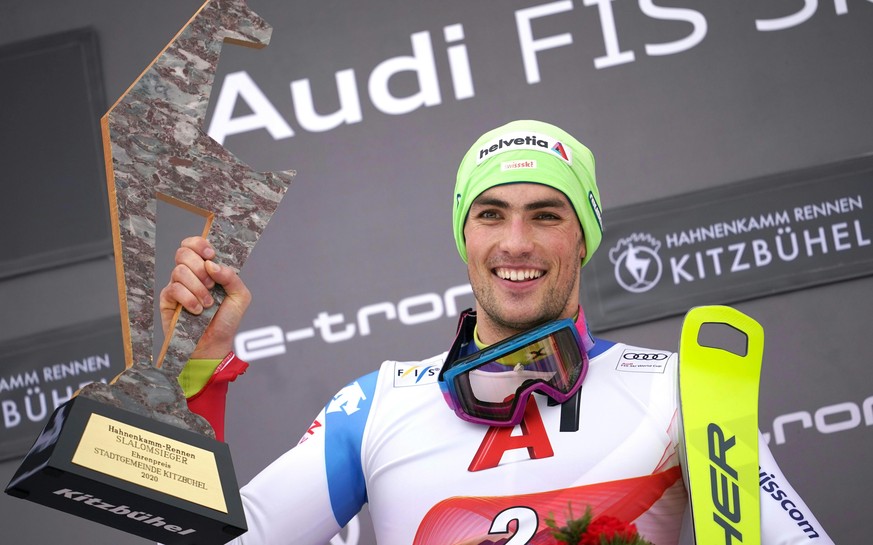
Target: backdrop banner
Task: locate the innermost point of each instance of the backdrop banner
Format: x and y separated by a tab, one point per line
732	243
35	383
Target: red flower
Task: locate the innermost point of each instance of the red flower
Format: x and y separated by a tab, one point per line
609	528
587	530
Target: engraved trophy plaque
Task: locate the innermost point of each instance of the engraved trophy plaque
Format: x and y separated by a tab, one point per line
130	454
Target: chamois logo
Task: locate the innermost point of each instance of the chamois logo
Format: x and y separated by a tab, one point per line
637	264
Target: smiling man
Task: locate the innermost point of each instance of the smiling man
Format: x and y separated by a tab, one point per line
543	420
518	221
523	254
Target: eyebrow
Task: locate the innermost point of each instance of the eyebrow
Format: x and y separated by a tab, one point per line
533	205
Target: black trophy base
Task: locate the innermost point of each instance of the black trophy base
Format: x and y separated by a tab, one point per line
49	476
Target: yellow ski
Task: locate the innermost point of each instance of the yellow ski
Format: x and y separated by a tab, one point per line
718	392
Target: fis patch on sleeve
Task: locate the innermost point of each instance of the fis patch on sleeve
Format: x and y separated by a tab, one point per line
406	374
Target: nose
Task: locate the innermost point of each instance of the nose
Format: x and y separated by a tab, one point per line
517	239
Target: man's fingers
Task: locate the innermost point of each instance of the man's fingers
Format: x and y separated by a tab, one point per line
223	275
200	246
233	285
194	282
190	258
175	294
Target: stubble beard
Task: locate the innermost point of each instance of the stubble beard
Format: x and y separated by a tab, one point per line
551	307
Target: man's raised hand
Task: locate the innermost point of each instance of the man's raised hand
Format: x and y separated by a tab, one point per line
194	275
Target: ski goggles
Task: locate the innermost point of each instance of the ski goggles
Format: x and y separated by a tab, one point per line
493	385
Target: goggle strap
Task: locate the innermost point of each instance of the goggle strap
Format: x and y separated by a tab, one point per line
463	338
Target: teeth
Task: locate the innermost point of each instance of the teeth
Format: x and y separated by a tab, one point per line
516	275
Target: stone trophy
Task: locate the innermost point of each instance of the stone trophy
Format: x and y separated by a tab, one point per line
130	454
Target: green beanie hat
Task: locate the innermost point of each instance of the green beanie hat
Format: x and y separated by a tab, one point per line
530	151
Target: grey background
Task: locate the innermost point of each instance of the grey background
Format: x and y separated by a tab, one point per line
367	219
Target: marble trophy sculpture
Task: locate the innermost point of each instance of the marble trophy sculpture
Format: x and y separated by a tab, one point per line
130	454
